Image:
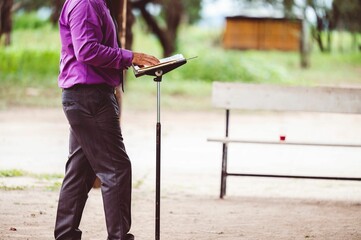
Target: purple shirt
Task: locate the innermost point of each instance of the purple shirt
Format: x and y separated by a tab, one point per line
90	52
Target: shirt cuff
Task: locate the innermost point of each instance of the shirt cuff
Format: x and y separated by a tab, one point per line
127	58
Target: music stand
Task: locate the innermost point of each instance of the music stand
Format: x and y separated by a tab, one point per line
158	71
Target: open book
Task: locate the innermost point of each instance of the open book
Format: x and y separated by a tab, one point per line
165	65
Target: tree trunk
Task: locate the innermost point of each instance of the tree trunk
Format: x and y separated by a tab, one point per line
318	32
58	4
164	38
329	40
6	20
305	51
116	9
129	24
1	18
355	42
173	10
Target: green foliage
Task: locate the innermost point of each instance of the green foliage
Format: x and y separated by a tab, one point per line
29	69
28	21
192	10
216	64
29	61
28	77
230	66
32	60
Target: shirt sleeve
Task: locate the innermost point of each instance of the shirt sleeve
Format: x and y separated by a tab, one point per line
85	25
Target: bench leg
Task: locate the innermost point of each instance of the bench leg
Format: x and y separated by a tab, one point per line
224	160
224	171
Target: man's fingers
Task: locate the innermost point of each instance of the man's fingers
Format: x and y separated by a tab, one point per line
144	59
151	60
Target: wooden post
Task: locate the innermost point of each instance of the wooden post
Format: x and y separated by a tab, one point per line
118	89
119	92
304	48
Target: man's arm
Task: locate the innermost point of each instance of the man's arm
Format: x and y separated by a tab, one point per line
87	35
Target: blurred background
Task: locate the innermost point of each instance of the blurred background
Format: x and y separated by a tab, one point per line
294	42
288	42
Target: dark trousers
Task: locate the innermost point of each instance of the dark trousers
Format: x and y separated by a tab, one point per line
95	149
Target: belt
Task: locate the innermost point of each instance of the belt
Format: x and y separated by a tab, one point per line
103	86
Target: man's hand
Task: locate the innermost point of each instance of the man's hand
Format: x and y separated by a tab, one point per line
142	59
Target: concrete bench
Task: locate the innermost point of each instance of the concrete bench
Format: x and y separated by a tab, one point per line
229	96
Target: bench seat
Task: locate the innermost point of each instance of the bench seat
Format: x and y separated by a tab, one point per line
262	97
300	143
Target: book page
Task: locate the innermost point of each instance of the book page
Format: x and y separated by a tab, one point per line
162	62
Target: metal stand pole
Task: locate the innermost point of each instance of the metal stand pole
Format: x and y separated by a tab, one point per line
158	79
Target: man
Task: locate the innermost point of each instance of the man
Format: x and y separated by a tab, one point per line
90	69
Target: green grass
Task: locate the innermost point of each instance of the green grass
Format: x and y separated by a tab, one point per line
47	176
12	173
28	21
55	186
48	181
21	173
175	94
29	68
11	188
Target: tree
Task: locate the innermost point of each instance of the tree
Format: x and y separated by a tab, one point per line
324	23
321	10
347	16
192	10
164	26
56	9
6	20
172	13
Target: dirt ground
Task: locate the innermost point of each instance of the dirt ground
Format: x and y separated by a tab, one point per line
35	140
